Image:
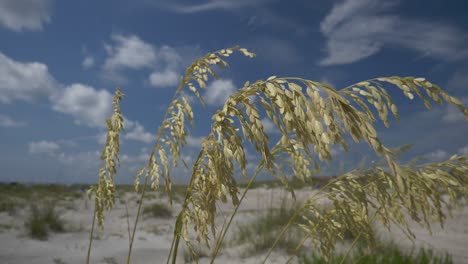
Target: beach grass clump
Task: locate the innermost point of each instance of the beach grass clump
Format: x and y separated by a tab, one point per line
157	210
260	233
386	253
43	219
8	205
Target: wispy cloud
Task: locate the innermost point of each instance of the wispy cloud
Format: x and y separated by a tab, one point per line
210	5
437	155
88	62
6	121
357	29
458	82
269	126
136	131
464	150
453	114
24	81
194	142
18	15
274	50
265	17
43	147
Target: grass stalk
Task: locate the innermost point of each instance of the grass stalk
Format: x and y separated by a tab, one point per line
88	256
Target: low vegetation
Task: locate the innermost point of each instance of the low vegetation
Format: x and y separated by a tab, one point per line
43	219
388	253
157	210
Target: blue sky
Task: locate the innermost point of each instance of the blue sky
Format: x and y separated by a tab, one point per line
60	62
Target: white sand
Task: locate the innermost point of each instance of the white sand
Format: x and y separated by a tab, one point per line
154	235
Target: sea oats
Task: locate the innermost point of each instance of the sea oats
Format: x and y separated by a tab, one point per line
311	117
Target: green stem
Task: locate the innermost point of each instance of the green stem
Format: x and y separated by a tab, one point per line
136	220
224	230
91	237
358	236
291	220
128	223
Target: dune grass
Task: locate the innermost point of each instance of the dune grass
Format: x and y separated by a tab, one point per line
312	117
388	253
43	219
157	210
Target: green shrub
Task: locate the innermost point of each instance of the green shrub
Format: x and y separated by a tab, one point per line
388	253
43	219
157	210
263	230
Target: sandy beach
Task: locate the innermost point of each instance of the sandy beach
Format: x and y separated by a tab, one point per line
154	235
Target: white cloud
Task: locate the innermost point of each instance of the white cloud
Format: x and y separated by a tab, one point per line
129	52
6	121
219	91
142	157
437	155
164	79
269	126
211	5
18	15
194	142
43	147
464	150
170	62
137	132
453	114
85	160
88	106
357	29
88	62
24	80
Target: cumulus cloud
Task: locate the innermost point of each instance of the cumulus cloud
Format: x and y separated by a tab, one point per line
24	81
6	121
219	91
88	62
43	147
18	15
170	63
137	132
128	52
357	29
164	79
88	106
131	52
